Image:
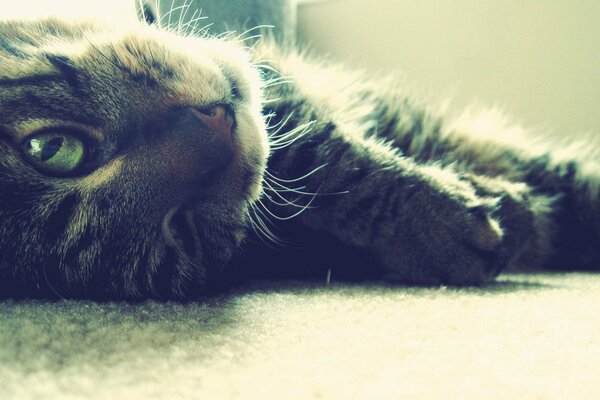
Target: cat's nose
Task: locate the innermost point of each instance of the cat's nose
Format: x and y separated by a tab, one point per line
218	119
196	146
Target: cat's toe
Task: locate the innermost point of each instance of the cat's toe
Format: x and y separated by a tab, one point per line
484	233
463	246
479	253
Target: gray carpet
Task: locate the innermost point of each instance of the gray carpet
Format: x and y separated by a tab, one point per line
525	337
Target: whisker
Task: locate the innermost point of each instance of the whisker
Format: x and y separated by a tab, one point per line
298	190
279	78
253	29
283	188
278	125
170	13
160	18
183	14
266	67
268	101
262	227
204	30
141	11
225	35
296	179
290	137
294	215
295	130
282	204
251	214
259	233
50	284
287	202
191	27
248	39
169	25
267	118
275	82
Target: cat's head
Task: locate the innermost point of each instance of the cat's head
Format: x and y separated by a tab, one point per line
128	158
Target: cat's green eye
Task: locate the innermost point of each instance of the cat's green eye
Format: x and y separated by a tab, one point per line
55	153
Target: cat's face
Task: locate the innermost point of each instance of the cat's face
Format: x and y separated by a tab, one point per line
128	158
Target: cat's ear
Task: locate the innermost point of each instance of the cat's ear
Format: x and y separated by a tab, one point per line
146	11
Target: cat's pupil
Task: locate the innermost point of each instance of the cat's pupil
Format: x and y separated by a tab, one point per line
51	148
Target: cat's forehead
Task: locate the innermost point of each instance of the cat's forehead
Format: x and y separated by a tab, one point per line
23	40
97	70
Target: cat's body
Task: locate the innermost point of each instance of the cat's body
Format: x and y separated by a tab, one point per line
162	152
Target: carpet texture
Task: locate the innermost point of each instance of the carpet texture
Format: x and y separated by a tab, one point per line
525	337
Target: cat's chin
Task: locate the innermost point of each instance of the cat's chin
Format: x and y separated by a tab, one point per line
188	231
180	233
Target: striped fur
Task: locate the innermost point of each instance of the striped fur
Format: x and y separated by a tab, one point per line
360	176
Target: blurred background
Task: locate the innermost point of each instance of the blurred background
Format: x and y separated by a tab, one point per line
539	60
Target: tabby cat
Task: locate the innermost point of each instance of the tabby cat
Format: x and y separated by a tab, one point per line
136	162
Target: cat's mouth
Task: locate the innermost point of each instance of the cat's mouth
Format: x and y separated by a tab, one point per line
180	233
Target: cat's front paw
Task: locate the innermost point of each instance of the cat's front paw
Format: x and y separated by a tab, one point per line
448	240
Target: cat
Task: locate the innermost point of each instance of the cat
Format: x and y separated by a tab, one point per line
139	163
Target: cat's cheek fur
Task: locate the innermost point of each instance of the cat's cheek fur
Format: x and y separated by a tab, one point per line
105	231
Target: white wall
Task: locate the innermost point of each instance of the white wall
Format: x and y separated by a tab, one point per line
538	59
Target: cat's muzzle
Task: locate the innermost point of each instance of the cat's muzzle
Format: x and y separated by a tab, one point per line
198	150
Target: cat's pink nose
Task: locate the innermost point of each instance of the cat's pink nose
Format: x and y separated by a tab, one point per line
219	120
198	143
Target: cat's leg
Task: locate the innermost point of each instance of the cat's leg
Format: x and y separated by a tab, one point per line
390	183
563	176
424	223
572	171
